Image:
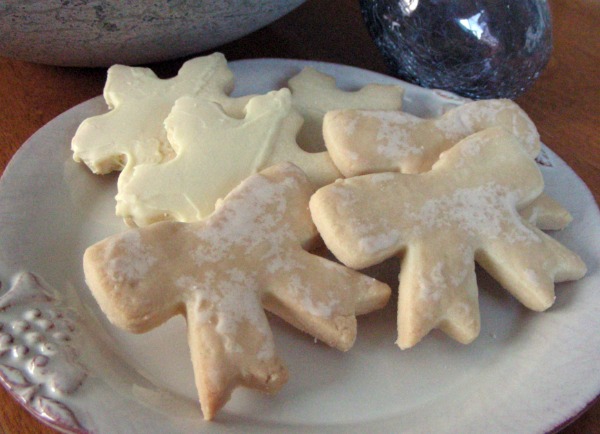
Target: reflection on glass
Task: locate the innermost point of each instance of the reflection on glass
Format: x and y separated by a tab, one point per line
472	25
408	6
477	26
477	48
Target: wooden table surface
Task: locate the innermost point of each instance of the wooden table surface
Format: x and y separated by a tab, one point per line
563	103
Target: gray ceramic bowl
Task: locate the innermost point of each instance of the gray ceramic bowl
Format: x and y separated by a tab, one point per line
105	32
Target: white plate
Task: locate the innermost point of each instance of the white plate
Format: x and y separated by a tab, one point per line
527	372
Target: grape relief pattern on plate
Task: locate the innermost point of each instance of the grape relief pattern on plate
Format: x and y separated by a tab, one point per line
39	356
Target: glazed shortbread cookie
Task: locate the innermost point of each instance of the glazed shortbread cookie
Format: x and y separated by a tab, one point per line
132	131
367	141
363	141
315	93
213	154
546	213
221	272
441	222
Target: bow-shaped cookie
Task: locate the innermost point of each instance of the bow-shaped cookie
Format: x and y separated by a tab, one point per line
441	222
373	141
222	271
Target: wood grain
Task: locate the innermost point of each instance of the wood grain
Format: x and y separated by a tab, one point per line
563	103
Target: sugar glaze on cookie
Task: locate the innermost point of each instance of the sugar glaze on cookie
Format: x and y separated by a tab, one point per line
221	273
370	141
367	141
441	222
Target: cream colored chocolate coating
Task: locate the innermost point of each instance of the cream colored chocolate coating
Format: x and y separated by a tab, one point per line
315	93
132	131
441	222
221	272
213	154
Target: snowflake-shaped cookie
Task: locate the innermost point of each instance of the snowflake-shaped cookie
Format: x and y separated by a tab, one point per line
315	93
441	222
213	154
222	271
132	131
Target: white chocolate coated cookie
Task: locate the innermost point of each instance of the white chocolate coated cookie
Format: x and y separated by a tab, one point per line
213	154
132	131
315	93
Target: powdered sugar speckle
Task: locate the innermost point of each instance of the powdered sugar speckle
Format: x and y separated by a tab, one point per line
488	210
378	242
134	263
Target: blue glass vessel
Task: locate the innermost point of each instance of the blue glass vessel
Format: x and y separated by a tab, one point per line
476	48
